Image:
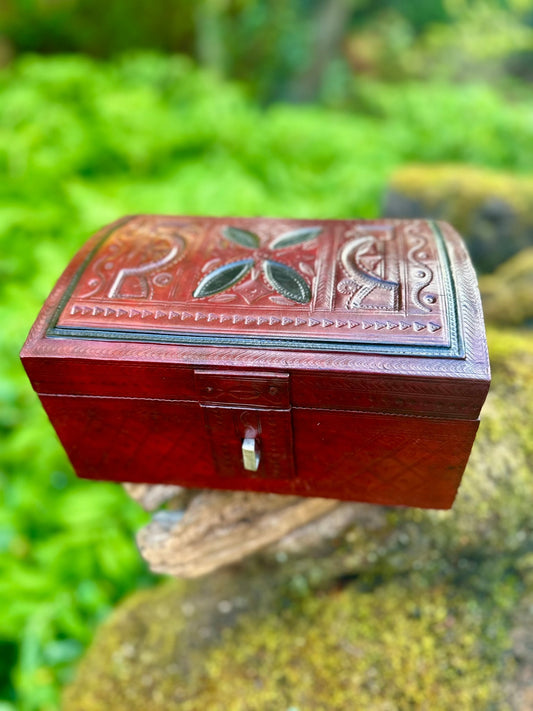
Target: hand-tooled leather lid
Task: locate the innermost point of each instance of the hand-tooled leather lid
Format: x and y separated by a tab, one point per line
374	286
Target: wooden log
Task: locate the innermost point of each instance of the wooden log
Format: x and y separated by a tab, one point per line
216	528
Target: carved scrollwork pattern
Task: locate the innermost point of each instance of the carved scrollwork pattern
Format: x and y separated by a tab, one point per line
421	275
372	279
136	263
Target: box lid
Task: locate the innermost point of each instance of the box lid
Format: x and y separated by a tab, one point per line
389	297
343	286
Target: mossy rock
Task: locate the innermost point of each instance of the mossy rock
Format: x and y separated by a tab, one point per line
491	210
415	612
507	294
401	645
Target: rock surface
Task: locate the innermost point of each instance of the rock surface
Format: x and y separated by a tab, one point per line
491	210
397	609
507	294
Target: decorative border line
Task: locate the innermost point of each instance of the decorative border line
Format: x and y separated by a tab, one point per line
452	307
455	350
161	313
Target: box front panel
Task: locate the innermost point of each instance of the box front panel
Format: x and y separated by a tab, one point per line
385	459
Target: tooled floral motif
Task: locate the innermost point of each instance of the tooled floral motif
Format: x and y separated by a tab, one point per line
286	280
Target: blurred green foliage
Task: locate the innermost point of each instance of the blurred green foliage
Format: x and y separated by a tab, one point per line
296	49
82	143
474	40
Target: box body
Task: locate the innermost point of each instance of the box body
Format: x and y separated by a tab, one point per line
350	355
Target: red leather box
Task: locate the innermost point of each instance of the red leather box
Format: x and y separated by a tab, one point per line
341	359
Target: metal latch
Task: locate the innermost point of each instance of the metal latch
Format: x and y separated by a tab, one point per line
251	454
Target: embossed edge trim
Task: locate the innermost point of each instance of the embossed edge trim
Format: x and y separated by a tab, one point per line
452	307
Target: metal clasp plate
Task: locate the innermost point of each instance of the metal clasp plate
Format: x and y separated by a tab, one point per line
248	419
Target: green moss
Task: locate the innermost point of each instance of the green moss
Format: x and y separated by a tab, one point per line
491	210
507	294
511	348
402	645
462	189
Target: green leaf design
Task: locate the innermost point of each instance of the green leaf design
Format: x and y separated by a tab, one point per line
287	281
288	239
242	237
223	277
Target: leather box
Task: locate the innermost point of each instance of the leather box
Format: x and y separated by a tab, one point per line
342	359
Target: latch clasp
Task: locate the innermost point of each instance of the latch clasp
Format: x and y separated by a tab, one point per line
251	454
248	419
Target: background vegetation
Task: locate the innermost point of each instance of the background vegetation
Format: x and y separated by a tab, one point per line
293	108
289	49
